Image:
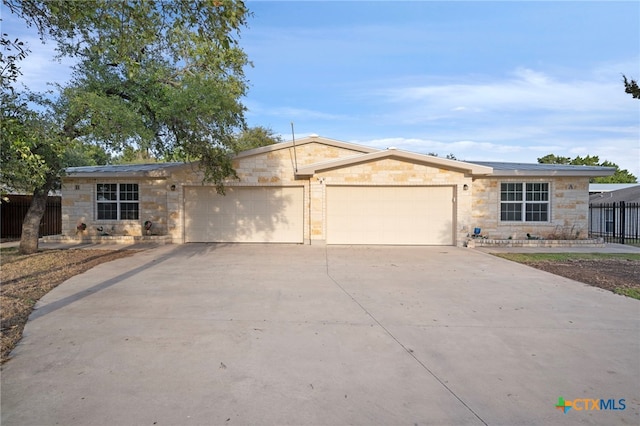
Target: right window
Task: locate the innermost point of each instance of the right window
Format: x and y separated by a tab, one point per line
524	202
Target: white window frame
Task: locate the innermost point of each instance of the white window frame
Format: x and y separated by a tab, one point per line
515	197
121	198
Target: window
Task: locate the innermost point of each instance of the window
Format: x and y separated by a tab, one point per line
609	221
117	201
524	202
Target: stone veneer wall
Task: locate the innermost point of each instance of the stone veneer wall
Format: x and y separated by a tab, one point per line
386	172
79	205
273	168
569	209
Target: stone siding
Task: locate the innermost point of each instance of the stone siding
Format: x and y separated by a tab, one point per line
478	206
79	206
386	172
273	168
568	209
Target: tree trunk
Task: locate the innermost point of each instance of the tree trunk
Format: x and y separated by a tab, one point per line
31	223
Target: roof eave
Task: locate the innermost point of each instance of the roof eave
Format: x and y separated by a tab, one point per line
112	175
162	172
473	169
551	173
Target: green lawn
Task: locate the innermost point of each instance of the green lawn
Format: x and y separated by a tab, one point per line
559	257
616	272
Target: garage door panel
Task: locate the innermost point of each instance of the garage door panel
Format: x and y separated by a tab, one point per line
389	215
265	214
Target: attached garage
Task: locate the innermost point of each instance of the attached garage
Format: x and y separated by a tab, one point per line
416	215
316	191
244	214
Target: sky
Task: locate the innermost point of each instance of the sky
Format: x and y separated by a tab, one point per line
493	81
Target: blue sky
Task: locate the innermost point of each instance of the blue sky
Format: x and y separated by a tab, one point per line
502	81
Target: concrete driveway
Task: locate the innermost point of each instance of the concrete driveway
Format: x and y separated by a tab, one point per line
279	334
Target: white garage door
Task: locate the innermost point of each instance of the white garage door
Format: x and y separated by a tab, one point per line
256	215
390	215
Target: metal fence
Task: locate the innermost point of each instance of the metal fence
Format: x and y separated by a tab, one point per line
615	222
15	208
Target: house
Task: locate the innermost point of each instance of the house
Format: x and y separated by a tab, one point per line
600	188
616	213
321	190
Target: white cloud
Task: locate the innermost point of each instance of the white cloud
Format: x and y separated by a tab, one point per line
524	90
289	113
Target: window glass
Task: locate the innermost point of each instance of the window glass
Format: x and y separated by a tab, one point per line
129	211
117	201
107	192
536	213
107	211
129	191
510	211
524	201
511	192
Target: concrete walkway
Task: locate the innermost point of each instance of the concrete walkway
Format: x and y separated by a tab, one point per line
275	334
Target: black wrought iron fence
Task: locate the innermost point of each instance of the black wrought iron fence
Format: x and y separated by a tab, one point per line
615	222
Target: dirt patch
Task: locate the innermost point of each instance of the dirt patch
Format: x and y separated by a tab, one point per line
25	279
618	275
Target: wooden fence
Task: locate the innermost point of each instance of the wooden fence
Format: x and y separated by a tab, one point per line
14	210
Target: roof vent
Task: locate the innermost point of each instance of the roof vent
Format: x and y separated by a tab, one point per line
313	135
392	147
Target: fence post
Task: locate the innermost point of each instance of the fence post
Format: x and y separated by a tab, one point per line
623	222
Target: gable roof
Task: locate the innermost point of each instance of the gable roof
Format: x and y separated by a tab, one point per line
361	154
396	154
537	169
124	170
628	195
304	141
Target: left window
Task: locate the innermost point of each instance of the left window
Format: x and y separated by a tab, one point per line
117	201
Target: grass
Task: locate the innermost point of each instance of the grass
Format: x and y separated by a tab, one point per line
560	257
629	292
617	272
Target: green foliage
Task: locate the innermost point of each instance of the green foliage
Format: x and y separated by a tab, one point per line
554	159
255	137
11	53
629	292
631	87
563	257
132	155
164	78
31	151
79	153
620	175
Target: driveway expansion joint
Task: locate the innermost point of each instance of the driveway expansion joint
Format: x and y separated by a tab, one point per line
407	350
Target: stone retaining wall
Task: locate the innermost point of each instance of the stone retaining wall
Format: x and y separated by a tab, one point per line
110	239
482	242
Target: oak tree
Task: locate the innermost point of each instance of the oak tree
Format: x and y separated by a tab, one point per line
166	77
620	175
